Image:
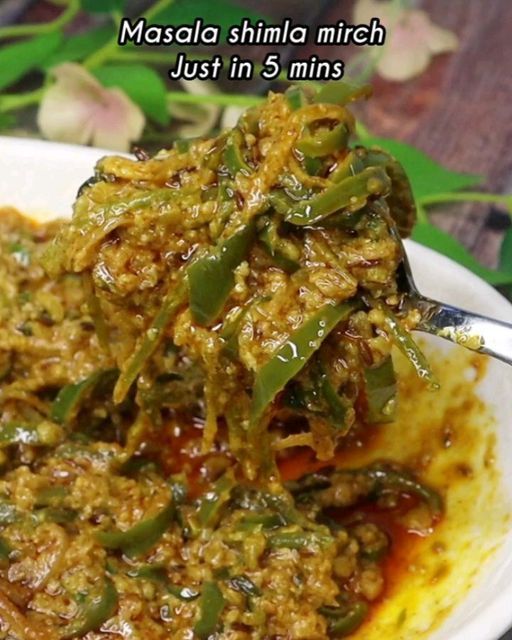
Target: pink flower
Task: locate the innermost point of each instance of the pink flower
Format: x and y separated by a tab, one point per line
77	108
412	38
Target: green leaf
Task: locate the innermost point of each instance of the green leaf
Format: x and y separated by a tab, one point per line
427	177
7	121
18	59
103	6
430	236
79	47
142	84
505	260
221	12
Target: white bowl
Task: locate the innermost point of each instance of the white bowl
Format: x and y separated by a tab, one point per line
41	179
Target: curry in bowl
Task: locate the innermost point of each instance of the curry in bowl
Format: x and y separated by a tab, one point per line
186	368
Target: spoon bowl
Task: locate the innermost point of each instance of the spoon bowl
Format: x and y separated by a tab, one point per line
465	328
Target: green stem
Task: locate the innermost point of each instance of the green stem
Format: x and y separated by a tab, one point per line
20	30
362	131
151	57
11	102
108	50
422	214
468	196
221	99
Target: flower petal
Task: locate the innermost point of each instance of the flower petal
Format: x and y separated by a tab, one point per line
77	108
365	10
411	44
230	117
119	122
63	114
202	117
398	66
442	40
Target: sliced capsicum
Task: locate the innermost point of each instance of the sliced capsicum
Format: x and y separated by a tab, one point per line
142	536
211	277
380	392
294	354
352	193
342	621
94	612
170	307
69	399
342	92
211	606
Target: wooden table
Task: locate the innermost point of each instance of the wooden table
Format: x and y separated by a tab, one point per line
459	111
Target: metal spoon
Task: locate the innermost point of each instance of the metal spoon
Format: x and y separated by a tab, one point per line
470	330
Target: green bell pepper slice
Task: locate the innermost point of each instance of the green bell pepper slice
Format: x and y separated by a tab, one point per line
351	193
142	536
211	606
296	98
342	621
405	342
231	329
159	574
351	165
211	503
233	154
93	613
72	396
342	92
170	307
402	206
211	277
261	521
380	391
336	405
59	515
298	540
386	478
280	250
294	354
325	142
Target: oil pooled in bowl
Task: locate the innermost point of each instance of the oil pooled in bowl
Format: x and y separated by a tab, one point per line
449	436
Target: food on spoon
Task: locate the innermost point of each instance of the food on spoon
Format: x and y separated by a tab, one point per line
265	258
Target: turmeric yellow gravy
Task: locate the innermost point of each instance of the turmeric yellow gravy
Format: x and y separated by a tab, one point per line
448	434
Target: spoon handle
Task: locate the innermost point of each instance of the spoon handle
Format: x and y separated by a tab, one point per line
470	330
